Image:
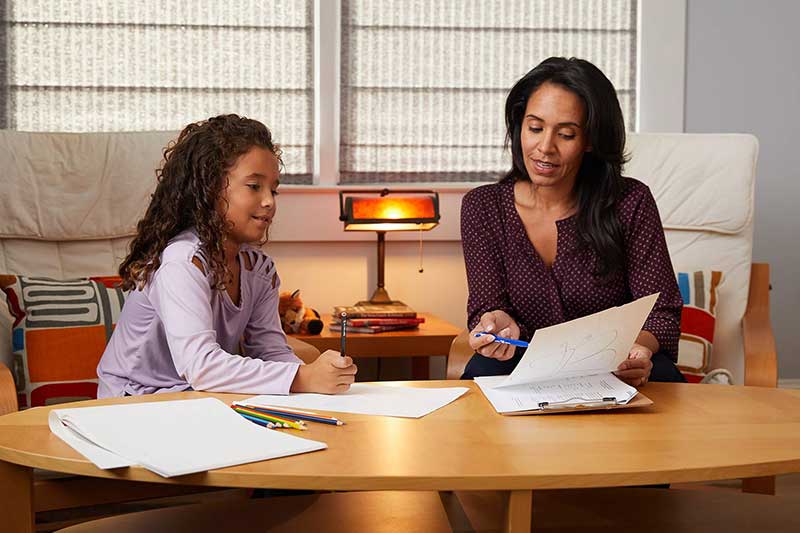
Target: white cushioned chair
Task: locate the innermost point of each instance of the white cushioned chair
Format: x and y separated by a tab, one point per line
70	204
704	186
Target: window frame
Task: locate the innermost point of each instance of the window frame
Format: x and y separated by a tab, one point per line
661	43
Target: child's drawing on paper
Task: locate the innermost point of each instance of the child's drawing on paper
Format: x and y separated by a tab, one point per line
591	353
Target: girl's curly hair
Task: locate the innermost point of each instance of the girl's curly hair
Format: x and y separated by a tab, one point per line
190	183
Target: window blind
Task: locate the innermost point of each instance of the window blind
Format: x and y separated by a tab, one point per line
424	82
133	65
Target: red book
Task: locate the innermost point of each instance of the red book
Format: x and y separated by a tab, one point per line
370	329
381	321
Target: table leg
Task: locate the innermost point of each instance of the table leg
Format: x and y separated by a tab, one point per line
16	497
519	509
420	368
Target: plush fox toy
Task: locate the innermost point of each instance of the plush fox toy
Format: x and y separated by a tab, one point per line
295	317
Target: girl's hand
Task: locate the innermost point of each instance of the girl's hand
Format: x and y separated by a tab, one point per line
498	323
635	370
329	374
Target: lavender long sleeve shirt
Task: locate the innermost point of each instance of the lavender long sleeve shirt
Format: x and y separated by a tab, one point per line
505	272
179	333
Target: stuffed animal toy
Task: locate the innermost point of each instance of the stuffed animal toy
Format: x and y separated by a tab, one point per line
296	317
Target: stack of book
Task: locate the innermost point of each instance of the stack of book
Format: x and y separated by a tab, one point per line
375	318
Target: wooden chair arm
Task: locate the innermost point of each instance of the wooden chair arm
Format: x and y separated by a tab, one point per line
302	349
760	355
460	354
8	391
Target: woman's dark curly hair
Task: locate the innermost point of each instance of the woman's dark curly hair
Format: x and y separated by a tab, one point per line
598	185
190	184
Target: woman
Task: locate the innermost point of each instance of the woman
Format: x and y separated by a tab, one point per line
563	234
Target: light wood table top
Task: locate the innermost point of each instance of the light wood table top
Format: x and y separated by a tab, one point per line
691	433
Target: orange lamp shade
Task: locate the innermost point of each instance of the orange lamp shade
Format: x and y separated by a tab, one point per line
390	213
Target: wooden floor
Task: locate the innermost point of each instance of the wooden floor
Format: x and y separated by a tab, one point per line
482	512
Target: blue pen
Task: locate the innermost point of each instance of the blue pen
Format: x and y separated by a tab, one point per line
503	340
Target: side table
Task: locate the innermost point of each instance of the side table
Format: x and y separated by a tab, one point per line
433	337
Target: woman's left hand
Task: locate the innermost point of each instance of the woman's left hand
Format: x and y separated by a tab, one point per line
635	370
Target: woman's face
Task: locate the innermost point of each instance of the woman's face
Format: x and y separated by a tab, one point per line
553	139
252	188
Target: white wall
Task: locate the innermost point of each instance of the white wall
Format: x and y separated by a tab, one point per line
743	75
341	273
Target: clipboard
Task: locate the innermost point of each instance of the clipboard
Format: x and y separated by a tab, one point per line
640	400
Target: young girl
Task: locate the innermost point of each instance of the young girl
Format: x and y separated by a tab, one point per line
202	313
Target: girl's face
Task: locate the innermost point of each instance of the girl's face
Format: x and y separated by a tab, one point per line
553	140
252	188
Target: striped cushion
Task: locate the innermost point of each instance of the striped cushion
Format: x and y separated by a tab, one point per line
60	330
699	292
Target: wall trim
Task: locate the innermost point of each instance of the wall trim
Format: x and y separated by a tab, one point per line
789	383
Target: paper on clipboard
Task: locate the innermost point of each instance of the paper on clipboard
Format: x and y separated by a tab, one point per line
598	391
594	344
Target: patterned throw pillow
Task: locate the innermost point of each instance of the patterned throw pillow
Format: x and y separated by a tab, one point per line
60	330
699	292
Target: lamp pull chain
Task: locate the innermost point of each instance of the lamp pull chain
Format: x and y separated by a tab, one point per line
421	270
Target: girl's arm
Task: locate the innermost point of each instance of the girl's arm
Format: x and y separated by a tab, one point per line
181	296
264	337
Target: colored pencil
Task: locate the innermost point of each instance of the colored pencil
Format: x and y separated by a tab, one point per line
264	416
291	413
301	415
268	425
294	424
276	417
257	416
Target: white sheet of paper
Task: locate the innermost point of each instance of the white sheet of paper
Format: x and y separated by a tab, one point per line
100	457
179	437
573	390
368	399
594	344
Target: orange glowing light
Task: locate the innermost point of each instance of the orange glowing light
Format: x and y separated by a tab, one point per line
394	208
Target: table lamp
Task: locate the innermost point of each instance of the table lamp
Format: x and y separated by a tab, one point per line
385	210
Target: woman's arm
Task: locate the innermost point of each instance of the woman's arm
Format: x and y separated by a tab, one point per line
649	270
488	306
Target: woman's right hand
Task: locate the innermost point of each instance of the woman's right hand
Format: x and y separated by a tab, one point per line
330	373
498	323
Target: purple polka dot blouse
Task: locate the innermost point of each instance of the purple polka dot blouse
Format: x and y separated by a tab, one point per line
505	272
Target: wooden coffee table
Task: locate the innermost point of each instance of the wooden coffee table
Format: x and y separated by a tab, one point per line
691	433
433	337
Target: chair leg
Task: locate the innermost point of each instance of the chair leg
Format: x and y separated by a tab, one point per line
759	485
